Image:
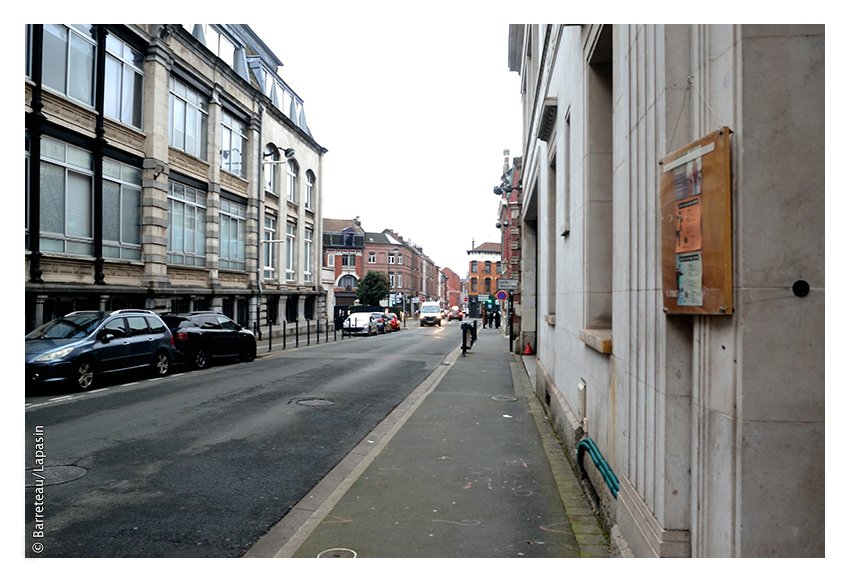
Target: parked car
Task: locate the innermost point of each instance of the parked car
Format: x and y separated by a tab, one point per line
381	320
429	314
395	324
82	345
455	313
360	324
203	336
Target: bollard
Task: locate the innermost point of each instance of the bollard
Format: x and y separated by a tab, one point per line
297	334
318	326
326	330
308	332
270	335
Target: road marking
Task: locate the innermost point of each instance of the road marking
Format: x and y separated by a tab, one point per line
98	390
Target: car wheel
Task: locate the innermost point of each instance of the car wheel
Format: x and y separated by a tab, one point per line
161	364
84	373
199	360
250	354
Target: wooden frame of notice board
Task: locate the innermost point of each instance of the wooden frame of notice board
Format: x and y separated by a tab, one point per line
696	227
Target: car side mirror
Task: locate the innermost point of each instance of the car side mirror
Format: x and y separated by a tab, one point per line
106	336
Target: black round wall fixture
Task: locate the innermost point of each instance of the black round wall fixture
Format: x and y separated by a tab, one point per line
800	288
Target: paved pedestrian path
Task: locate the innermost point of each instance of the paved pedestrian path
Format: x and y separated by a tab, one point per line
467	467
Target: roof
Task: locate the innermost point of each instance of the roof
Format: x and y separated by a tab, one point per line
382	238
339	225
488	247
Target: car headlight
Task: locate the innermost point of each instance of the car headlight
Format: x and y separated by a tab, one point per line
50	356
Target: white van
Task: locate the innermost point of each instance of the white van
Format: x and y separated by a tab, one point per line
429	314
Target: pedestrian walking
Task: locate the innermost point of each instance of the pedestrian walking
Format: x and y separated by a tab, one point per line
498	318
483	318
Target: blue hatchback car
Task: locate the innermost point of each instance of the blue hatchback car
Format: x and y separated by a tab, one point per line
82	345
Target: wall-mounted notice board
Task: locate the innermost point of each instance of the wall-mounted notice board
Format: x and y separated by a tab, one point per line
696	227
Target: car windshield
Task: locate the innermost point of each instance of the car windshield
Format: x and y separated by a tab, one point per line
68	327
430	309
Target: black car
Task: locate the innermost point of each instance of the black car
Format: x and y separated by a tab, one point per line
201	336
84	344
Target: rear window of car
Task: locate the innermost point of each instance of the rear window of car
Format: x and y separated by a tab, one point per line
156	325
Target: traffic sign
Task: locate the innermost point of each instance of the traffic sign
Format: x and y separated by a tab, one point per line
502	295
507	284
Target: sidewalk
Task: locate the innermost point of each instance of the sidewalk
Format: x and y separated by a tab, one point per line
466	467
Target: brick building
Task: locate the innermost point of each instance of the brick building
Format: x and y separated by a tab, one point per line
485	265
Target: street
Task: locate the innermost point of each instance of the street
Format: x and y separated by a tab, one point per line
203	463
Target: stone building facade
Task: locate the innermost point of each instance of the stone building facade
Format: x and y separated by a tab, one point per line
712	424
168	168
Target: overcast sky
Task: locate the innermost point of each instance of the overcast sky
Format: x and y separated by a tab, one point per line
415	111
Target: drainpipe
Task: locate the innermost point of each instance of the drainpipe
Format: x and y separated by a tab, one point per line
260	223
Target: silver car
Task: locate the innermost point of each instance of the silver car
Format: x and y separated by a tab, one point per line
360	324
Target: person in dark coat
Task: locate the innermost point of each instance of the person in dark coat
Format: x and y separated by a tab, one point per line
484	318
498	318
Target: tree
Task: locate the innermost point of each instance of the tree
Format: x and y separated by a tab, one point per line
373	288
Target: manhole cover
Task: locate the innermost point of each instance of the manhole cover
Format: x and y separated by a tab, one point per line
315	402
53	475
504	398
338	553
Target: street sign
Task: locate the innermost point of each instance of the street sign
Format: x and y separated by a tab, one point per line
507	284
502	295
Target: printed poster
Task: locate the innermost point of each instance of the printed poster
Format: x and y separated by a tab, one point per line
689	279
689	225
687	178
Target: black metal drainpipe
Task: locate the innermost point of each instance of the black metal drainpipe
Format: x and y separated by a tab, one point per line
99	142
35	123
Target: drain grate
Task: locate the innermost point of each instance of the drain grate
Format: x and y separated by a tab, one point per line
504	398
54	475
315	402
338	553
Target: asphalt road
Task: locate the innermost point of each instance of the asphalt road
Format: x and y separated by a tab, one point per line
203	463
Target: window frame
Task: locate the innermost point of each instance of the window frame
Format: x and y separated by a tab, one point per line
125	65
126	248
231	126
291	230
308	255
199	210
231	251
193	101
72	244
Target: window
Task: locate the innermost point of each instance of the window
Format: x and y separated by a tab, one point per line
391	259
308	255
487	266
68	60
187	214
349	260
473	285
123	85
188	112
271	171
348	282
487	285
371	258
290	251
308	193
292	180
329	261
473	266
400	258
233	143
218	44
392	279
398	280
66	198
269	228
232	235
122	210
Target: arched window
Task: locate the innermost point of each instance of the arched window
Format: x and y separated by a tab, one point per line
271	171
292	180
348	282
308	194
